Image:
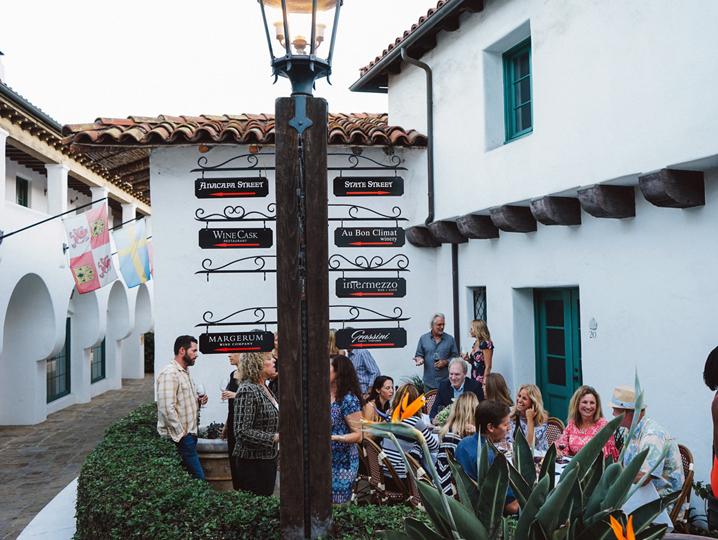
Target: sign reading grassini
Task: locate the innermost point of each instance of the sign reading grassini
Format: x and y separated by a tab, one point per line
236	342
371	338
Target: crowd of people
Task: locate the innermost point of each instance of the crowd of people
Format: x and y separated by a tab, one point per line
481	409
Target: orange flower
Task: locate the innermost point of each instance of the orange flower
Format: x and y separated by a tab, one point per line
618	529
407	410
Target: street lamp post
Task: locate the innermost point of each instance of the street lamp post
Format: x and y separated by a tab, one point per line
300	29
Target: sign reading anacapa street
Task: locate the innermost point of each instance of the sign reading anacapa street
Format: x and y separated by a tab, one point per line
229	188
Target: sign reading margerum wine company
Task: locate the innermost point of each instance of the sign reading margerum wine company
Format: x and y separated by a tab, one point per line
368	186
231	188
235	238
235	342
371	338
369	237
371	287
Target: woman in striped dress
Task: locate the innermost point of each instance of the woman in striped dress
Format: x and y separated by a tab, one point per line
460	424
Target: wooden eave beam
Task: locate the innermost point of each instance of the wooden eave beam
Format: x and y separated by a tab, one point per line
557	210
421	237
602	201
478	227
447	232
673	188
510	218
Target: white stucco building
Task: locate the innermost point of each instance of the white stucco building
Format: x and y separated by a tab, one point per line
575	179
58	347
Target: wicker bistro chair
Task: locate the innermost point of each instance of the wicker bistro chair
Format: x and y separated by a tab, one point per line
684	500
430	398
363	487
378	463
554	430
421	476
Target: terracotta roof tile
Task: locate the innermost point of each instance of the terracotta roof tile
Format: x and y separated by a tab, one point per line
359	129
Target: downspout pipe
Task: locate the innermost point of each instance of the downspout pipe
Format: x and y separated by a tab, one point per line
429	128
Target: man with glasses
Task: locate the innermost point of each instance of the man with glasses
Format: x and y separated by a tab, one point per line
434	350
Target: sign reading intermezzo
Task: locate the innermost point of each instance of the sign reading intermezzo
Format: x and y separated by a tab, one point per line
371	287
370	186
371	338
369	237
235	342
228	188
235	238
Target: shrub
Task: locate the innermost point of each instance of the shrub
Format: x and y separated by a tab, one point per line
133	486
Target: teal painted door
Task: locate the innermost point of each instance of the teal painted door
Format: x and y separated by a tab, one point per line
558	348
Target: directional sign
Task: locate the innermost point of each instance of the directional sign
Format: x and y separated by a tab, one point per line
371	338
371	287
368	186
231	188
369	237
236	342
235	238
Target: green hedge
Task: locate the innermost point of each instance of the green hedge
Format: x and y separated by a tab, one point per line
133	486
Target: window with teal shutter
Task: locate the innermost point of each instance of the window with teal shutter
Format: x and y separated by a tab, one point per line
518	105
21	191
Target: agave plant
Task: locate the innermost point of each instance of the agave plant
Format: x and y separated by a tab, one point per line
585	503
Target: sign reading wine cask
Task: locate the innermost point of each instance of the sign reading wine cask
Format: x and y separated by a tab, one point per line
368	186
369	237
236	342
231	188
371	287
371	338
235	238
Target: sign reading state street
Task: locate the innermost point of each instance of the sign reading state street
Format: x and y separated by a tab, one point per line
369	237
371	287
235	238
229	188
368	186
234	342
371	338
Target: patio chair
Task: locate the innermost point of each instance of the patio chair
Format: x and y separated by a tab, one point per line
554	430
363	487
685	497
378	463
430	398
421	476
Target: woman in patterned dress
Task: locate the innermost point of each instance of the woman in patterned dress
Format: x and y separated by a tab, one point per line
347	403
585	419
460	424
481	353
530	416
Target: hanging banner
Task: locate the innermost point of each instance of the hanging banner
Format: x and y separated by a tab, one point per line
231	188
368	186
371	338
369	237
235	238
371	287
236	342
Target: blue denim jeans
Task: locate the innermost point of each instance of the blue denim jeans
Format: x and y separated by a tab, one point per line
187	448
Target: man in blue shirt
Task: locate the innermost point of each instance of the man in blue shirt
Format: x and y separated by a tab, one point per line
493	418
366	368
434	350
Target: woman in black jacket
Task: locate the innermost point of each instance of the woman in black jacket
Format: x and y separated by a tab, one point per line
256	425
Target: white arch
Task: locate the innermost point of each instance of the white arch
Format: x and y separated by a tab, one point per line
133	348
30	336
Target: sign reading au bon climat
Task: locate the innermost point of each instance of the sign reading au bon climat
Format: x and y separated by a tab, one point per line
231	188
236	342
235	238
371	287
369	186
371	338
369	237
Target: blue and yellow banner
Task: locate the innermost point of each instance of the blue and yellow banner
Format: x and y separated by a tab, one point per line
131	244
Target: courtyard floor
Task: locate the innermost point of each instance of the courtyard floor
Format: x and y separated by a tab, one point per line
37	462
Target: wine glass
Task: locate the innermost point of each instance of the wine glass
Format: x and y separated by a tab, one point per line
223	384
200	391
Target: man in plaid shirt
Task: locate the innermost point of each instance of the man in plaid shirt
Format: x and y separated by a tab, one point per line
178	404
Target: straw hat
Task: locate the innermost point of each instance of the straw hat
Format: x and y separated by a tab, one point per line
624	397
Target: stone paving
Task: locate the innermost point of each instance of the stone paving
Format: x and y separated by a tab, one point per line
37	462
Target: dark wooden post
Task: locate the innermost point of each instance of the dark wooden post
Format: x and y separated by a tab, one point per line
303	322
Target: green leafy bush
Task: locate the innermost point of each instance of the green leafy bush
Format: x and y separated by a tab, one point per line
133	486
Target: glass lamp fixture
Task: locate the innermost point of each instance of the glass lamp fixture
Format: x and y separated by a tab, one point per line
296	35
